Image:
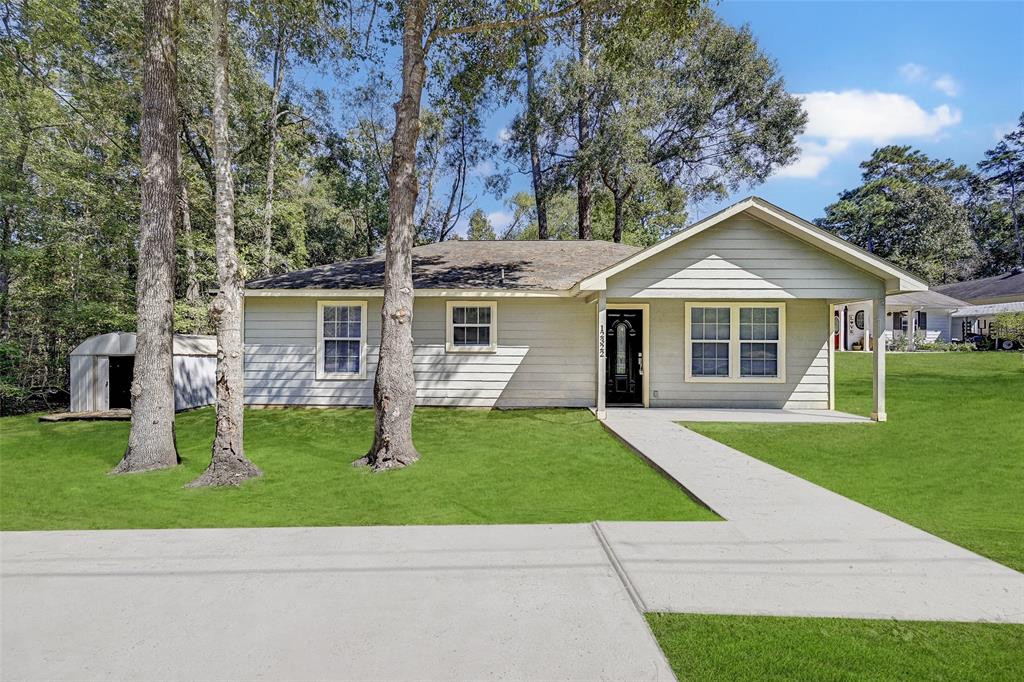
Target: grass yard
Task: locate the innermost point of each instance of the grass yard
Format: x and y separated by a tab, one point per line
703	647
523	466
950	460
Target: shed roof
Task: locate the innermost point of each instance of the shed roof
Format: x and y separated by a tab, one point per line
1005	285
123	343
932	299
460	264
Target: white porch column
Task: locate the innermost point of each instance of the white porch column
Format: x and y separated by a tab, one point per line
911	327
832	353
602	352
878	383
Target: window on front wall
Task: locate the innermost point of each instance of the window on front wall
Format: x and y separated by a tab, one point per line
341	339
759	342
922	319
735	342
471	326
710	329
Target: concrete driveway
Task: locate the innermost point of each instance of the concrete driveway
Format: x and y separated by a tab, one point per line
381	603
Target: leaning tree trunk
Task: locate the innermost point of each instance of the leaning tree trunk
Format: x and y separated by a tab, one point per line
272	133
394	388
151	440
229	465
532	118
583	189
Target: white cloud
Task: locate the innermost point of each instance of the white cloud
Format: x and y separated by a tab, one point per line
947	85
499	220
835	120
504	135
482	169
912	73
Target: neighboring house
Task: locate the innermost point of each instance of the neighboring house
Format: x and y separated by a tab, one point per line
102	368
733	311
987	298
918	316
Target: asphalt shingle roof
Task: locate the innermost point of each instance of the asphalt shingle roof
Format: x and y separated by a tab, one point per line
513	265
1007	284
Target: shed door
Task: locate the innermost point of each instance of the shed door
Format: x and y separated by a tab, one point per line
121	370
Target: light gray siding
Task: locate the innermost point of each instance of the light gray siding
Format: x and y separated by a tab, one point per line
195	380
545	356
743	258
808	324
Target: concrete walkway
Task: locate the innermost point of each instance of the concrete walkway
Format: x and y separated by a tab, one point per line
789	547
381	603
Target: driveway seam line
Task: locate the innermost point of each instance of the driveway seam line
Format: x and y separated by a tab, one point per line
617	566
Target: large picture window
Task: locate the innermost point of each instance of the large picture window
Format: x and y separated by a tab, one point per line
471	326
341	340
735	342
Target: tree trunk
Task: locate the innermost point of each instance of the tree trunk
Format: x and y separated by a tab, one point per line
192	292
394	389
151	439
619	199
532	119
280	56
6	242
229	465
583	189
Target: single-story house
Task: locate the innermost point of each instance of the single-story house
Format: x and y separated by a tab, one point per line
102	367
918	315
733	311
987	297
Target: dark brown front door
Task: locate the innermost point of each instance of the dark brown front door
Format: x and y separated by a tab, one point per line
625	343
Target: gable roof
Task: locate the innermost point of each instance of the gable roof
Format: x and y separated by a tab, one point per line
509	265
896	279
928	298
1006	285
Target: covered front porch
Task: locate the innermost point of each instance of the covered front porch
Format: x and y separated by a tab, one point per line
646	358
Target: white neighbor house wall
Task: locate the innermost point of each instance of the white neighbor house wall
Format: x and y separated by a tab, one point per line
545	355
195	369
940	327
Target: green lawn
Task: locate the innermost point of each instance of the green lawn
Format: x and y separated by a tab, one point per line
757	648
524	466
950	460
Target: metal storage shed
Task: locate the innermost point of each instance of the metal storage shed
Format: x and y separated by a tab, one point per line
102	367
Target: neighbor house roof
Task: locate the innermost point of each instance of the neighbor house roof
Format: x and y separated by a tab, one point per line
931	299
896	279
456	264
990	309
1007	286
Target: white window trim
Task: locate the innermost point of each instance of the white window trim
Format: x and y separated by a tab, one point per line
449	328
734	344
321	374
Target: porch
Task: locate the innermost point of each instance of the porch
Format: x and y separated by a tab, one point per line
751	416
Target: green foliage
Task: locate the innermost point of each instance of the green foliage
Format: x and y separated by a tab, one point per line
479	226
498	471
1010	326
908	211
1002	171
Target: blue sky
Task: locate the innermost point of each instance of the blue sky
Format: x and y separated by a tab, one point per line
946	77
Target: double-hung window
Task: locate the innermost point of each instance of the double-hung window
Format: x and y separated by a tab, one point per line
341	340
735	342
471	326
